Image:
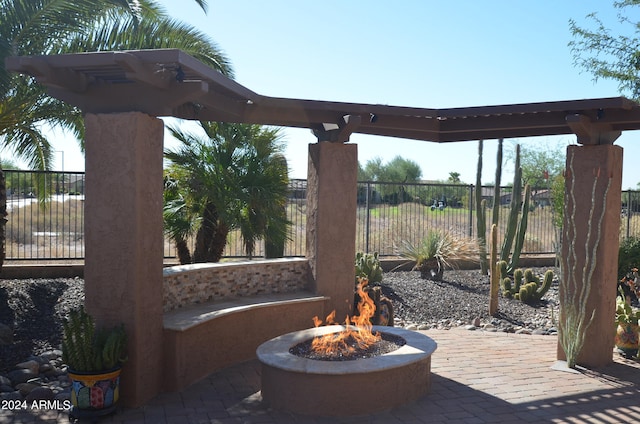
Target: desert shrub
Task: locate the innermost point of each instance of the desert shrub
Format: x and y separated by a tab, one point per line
628	256
437	251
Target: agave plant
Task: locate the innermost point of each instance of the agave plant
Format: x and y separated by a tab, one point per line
437	251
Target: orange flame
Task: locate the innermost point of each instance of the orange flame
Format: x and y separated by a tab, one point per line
348	341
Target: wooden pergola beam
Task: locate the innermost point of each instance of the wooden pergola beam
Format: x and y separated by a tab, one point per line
590	133
169	82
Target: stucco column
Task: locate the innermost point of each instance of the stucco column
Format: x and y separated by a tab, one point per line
123	240
594	181
331	222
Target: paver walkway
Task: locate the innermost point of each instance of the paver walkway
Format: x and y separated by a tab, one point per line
478	377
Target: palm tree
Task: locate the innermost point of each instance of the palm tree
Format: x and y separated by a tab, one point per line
235	177
36	27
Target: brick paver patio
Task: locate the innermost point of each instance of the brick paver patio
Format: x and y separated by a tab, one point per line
478	377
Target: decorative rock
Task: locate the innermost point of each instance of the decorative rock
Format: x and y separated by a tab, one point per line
26	388
412	327
4	381
21	376
477	322
6	388
424	327
11	396
523	331
51	355
31	365
6	335
539	332
39	393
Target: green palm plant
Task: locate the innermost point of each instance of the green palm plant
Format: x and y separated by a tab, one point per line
233	177
437	251
37	27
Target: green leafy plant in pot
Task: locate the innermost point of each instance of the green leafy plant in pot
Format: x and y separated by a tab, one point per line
94	357
627	317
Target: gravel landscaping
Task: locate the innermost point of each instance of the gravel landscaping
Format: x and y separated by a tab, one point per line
32	312
462	298
34	309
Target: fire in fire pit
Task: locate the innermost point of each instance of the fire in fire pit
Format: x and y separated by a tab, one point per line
305	385
356	341
349	348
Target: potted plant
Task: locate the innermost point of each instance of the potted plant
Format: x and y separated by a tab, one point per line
94	357
627	318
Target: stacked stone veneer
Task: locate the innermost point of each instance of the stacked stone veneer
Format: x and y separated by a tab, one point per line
198	283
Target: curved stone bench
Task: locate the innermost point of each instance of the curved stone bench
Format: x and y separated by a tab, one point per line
203	338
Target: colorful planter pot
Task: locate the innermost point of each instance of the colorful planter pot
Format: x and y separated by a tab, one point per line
627	340
94	394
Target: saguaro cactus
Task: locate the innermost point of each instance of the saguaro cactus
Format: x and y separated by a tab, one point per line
481	215
495	218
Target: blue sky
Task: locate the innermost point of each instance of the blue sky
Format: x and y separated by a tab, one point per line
423	53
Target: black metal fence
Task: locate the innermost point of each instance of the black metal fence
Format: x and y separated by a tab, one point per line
387	214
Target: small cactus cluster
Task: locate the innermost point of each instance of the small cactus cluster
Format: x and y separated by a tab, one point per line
525	286
86	348
368	266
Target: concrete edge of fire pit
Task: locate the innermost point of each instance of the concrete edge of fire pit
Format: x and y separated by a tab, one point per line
275	352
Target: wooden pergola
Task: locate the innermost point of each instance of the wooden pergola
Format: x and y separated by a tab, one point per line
172	83
123	93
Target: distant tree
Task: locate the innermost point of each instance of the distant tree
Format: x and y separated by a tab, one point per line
398	170
607	54
454	178
540	164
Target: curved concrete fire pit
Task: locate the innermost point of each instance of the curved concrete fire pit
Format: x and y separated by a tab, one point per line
339	388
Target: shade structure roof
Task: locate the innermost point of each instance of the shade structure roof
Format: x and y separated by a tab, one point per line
169	82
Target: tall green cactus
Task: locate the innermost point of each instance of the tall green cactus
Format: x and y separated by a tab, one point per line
88	349
481	215
516	228
521	232
495	218
494	272
516	197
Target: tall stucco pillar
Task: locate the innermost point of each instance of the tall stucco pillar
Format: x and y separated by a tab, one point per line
331	222
123	240
593	181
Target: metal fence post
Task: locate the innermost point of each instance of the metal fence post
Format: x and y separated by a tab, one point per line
628	213
471	205
367	220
